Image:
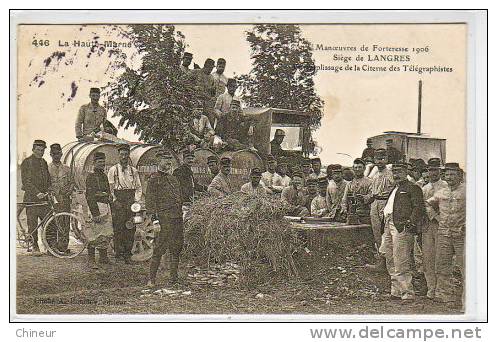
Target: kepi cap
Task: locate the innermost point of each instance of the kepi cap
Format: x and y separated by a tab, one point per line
39	142
55	148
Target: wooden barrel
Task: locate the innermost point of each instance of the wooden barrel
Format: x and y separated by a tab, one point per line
201	171
241	163
143	157
79	157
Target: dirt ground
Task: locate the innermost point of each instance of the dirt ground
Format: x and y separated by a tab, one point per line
47	285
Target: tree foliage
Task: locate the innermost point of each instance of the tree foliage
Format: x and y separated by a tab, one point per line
157	99
282	72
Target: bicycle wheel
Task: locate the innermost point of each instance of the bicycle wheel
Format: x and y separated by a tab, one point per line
63	235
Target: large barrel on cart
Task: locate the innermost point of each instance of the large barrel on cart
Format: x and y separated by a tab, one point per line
200	170
79	157
143	157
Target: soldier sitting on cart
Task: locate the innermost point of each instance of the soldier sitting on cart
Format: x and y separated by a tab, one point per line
201	131
91	117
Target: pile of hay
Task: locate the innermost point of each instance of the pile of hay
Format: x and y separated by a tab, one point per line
245	229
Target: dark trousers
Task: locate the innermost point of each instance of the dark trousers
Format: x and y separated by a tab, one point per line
33	213
121	212
171	236
58	234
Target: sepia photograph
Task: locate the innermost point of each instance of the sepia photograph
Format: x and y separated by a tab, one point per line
255	168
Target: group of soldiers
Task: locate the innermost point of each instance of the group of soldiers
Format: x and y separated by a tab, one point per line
416	211
218	121
109	197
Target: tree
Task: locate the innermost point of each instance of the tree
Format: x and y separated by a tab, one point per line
157	99
282	72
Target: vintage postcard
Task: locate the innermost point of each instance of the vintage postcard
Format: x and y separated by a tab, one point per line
251	168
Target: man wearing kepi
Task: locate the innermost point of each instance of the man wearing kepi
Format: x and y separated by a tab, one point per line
35	183
221	184
184	174
357	189
255	186
404	216
381	186
91	117
98	197
62	186
451	204
430	231
126	189
163	199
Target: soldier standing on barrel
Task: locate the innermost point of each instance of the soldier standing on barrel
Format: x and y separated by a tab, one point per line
163	199
126	189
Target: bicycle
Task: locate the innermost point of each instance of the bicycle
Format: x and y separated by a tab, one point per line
55	227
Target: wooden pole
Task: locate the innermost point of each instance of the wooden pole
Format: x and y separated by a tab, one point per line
420	95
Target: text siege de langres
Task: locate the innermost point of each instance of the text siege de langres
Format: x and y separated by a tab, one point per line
369	58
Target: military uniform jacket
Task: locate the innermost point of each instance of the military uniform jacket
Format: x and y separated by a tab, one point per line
164	195
89	119
409	206
220	186
35	178
97	191
187	182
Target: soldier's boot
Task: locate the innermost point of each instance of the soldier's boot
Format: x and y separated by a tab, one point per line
379	267
91	258
173	272
154	266
103	257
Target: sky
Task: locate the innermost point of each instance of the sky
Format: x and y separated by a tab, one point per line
357	105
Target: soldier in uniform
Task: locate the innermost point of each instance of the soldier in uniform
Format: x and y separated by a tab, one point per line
393	155
276	150
184	174
213	165
126	189
91	117
163	199
271	179
334	194
220	79
295	196
429	236
255	186
185	62
450	202
35	183
369	150
62	186
316	168
358	187
282	170
381	186
98	197
319	208
221	184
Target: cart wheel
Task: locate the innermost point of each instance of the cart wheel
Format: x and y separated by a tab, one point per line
64	229
143	246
